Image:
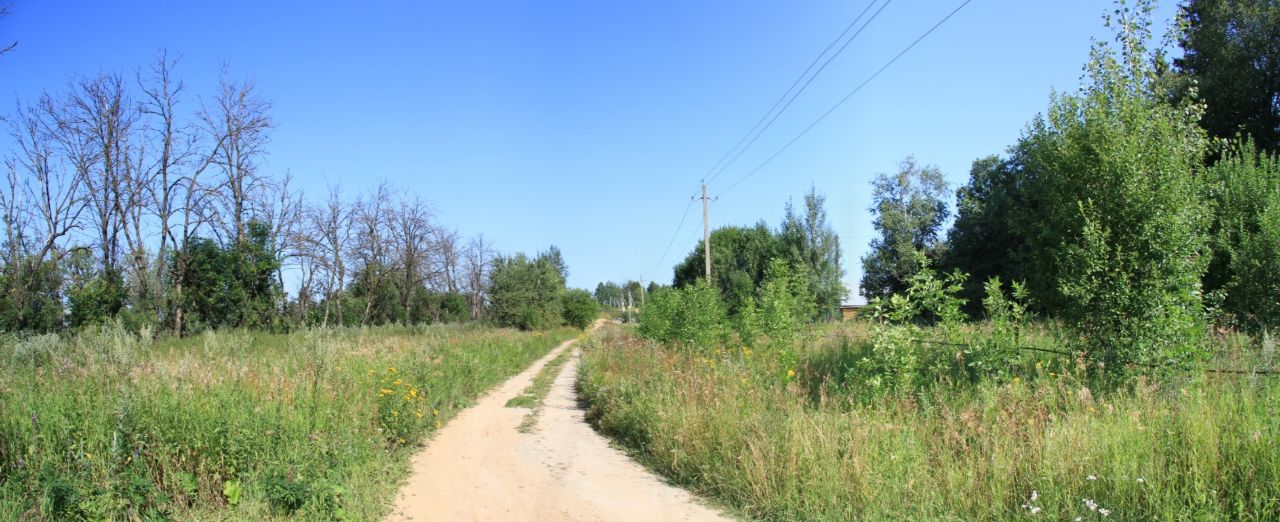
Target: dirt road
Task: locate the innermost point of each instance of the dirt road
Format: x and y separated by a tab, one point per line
480	468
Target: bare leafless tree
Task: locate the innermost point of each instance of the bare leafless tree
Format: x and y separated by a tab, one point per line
172	144
4	11
238	122
411	233
371	218
94	122
280	209
477	263
195	209
446	259
41	202
327	236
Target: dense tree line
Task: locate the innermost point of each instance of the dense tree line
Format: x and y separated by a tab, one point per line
125	197
741	258
1136	210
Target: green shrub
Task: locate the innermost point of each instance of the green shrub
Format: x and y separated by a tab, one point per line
693	316
1120	243
580	309
1244	187
36	350
286	493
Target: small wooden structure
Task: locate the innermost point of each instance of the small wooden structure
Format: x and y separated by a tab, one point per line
850	312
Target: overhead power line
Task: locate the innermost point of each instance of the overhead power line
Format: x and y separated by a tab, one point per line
766	120
846	97
674	235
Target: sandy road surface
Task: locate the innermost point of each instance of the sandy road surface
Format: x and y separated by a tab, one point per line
480	468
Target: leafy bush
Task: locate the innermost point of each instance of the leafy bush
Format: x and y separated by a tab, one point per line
1244	187
580	308
693	316
525	293
36	350
895	358
1121	243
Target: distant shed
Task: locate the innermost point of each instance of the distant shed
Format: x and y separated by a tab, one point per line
850	312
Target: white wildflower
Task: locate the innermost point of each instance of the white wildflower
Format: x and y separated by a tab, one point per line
1093	506
1091	477
1035	509
1104	512
1142	480
1035	495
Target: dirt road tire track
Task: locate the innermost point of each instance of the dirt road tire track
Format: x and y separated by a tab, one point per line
478	467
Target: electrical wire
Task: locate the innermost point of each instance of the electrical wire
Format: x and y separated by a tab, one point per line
788	97
837	105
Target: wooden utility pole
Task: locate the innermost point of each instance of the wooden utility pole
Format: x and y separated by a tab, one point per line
706	233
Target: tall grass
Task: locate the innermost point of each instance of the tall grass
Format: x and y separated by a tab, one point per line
827	441
234	425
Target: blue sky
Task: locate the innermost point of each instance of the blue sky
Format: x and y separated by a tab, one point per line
587	124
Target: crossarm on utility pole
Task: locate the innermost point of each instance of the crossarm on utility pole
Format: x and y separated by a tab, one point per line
706	233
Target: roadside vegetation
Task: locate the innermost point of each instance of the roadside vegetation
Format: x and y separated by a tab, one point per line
535	394
155	365
869	426
1092	338
314	425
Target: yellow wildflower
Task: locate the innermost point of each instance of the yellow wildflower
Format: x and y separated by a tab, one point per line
418	413
435	412
385	391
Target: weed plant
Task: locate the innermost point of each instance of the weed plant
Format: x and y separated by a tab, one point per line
234	425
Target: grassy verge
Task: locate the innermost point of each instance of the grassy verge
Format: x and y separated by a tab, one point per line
234	425
533	395
824	441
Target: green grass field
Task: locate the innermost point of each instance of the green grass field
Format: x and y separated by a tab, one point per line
235	425
820	441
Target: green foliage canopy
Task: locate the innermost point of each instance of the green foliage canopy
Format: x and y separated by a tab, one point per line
910	209
525	293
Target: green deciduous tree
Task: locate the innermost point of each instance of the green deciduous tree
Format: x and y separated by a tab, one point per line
991	211
693	315
580	308
525	293
1121	243
1244	187
231	286
609	294
811	243
910	209
1232	50
739	262
741	256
